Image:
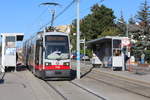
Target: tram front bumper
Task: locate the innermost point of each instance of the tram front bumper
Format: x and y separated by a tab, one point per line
57	73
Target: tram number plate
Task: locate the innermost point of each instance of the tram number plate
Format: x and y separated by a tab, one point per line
57	72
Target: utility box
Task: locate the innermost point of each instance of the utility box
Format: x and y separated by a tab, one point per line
8	51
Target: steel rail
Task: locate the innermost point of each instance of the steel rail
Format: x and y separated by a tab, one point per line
57	91
110	84
87	90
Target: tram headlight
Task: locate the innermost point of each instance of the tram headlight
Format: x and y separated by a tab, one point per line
47	63
66	63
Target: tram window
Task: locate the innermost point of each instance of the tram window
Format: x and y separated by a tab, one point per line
116	43
39	43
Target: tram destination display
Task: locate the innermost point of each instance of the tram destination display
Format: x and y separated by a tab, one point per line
56	38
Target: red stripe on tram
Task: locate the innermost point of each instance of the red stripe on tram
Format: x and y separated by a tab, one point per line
52	67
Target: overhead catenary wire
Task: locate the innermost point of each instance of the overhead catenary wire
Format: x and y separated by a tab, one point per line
65	9
37	19
81	12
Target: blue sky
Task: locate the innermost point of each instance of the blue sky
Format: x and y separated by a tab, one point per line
27	16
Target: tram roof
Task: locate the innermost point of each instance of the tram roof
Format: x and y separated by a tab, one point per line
18	35
55	33
104	39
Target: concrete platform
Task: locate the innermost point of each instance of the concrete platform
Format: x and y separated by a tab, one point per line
130	75
24	86
140	78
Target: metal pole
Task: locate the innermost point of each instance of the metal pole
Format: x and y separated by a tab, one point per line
3	59
84	50
78	39
53	15
16	54
127	30
126	53
112	53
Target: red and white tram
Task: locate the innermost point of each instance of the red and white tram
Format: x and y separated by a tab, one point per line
48	55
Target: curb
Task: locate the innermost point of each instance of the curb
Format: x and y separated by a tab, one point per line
124	77
127	78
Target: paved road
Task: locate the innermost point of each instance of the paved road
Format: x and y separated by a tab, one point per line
113	88
24	86
92	86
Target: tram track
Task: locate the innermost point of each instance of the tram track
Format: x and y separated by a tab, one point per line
56	90
109	80
79	87
89	91
128	90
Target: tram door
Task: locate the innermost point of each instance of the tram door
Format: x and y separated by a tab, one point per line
38	53
117	57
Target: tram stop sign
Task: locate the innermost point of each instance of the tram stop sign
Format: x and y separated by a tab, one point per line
125	42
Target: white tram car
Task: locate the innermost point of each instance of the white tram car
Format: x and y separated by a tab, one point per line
47	55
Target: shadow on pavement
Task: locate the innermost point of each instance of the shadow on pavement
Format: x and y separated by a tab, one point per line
87	72
21	68
18	68
73	74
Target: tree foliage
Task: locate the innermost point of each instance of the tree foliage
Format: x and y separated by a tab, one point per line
100	22
142	35
121	24
143	18
111	31
97	22
132	20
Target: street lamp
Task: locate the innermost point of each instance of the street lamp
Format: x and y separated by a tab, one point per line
127	31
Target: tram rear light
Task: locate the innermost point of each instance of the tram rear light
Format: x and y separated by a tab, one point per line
66	64
47	63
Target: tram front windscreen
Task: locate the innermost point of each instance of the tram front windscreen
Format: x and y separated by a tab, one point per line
57	47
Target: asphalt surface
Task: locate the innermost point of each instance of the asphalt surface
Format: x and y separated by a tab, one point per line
95	84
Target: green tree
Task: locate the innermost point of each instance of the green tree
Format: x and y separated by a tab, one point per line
132	20
73	35
94	24
142	33
111	31
143	17
121	24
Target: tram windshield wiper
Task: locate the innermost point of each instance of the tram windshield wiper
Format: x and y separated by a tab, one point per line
56	56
